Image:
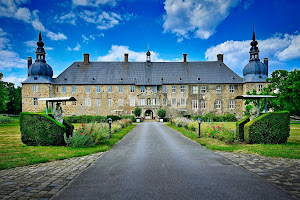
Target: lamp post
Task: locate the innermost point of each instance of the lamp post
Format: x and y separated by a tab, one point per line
199	122
171	119
109	123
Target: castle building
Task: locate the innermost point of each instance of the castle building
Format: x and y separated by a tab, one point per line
117	88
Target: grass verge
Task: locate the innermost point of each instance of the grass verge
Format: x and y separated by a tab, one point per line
289	150
13	153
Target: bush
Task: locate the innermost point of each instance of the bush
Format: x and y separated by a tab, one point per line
195	117
240	128
80	138
137	112
269	128
5	120
182	122
161	113
131	117
193	125
220	133
85	119
113	117
229	118
187	116
69	127
40	129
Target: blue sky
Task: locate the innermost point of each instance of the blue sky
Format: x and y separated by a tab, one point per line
106	29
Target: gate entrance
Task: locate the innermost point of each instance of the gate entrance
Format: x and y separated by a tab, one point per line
148	114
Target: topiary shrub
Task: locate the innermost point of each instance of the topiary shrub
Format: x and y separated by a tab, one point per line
69	127
239	134
40	129
161	113
269	128
137	112
114	117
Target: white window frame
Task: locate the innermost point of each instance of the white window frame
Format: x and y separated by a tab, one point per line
109	89
142	88
88	89
142	102
35	88
132	101
87	101
218	104
110	103
203	89
132	88
260	88
98	89
231	104
164	89
195	104
182	88
121	102
183	101
154	89
173	88
63	89
174	102
120	88
165	101
203	104
154	101
231	88
35	102
195	89
98	102
219	90
73	89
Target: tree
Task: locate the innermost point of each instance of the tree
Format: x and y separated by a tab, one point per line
137	111
161	113
14	104
3	95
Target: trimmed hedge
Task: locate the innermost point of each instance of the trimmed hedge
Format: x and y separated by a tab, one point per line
239	134
114	117
131	117
269	128
85	119
209	117
41	129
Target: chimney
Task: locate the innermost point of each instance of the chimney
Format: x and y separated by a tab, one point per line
266	62
86	58
220	57
184	57
125	57
29	62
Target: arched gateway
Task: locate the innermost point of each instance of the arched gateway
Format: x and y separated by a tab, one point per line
148	114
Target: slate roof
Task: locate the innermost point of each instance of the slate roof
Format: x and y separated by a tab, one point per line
143	73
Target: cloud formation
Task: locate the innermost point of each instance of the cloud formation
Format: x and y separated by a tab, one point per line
94	3
195	18
278	48
77	48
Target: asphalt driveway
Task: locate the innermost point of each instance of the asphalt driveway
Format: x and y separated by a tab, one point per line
156	162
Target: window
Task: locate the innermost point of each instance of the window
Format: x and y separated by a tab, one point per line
182	88
63	89
154	101
164	102
63	103
74	103
260	87
142	102
87	89
109	102
73	89
174	101
120	102
121	89
132	88
195	89
35	101
98	102
203	104
87	102
194	104
218	104
231	89
132	101
203	89
182	101
98	89
109	89
142	88
173	88
218	90
35	88
57	89
164	89
155	89
231	104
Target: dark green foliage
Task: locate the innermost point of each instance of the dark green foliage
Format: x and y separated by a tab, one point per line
69	127
114	117
137	112
240	128
209	117
161	113
3	95
131	117
14	104
187	116
39	129
85	119
269	128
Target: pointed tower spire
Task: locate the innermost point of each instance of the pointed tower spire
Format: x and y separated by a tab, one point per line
254	51
40	51
253	37
148	54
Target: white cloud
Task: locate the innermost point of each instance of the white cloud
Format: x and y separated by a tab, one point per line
116	53
67	18
87	38
94	3
277	48
12	9
195	18
77	48
13	79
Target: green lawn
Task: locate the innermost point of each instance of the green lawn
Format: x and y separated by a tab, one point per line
289	150
14	153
